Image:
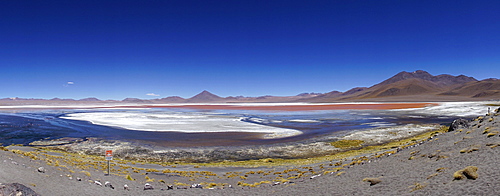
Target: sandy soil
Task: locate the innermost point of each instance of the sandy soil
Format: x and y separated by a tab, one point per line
423	168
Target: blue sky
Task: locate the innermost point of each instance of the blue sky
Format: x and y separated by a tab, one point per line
119	49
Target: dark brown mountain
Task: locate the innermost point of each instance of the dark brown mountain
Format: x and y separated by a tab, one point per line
443	80
413	83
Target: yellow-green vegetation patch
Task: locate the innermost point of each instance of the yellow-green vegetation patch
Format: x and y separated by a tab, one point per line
255	184
340	155
84	162
346	144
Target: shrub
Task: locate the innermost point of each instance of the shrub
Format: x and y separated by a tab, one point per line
128	177
492	145
432	175
417	186
469	149
268	160
492	134
372	181
86	173
441	169
469	172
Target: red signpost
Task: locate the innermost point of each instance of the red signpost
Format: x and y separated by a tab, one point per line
109	157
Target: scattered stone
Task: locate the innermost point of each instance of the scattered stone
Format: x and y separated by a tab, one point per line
458	123
148	186
41	170
16	189
108	184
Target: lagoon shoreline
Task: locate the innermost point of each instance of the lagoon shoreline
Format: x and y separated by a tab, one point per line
420	167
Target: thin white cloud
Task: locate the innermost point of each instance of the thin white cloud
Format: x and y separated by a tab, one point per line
69	83
152	94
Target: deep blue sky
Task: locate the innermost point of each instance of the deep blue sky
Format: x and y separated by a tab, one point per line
119	49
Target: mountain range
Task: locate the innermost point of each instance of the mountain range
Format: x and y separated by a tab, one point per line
404	86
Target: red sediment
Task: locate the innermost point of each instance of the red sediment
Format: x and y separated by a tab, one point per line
361	106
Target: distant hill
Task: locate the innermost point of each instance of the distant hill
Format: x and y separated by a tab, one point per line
172	99
90	99
418	86
483	88
443	80
404	86
205	97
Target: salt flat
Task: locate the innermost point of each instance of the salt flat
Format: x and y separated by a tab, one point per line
180	122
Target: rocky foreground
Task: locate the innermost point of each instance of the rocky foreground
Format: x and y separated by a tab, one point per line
461	161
